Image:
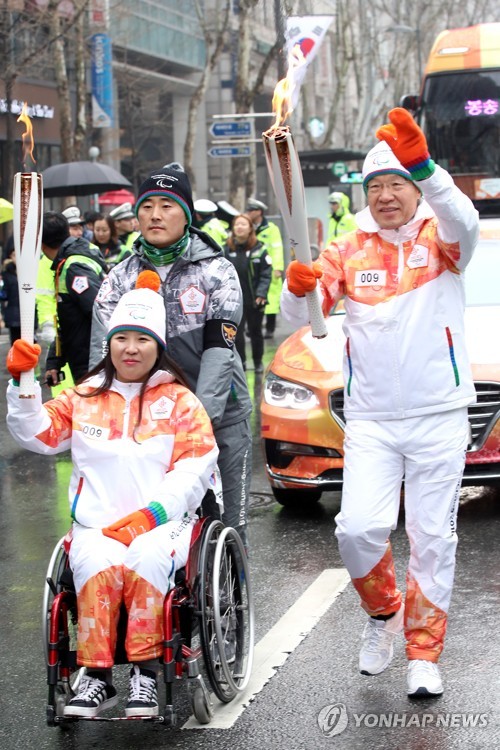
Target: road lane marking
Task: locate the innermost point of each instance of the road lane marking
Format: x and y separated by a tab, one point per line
275	647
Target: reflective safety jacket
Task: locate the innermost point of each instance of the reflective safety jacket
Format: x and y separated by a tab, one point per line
342	221
216	229
269	234
79	270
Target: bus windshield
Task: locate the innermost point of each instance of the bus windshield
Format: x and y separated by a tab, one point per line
460	114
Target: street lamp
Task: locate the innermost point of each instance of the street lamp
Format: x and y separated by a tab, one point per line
400	27
94	153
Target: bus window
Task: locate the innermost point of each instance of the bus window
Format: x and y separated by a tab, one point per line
459	110
460	114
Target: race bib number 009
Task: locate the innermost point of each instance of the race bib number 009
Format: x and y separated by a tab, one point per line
370	278
94	432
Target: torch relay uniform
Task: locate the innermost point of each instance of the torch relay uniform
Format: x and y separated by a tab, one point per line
167	465
407	387
144	456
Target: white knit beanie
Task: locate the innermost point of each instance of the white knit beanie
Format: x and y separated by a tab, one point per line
381	160
142	309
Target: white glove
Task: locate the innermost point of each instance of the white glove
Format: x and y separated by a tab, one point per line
47	332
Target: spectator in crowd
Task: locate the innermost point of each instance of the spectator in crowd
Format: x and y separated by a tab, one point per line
88	228
254	268
105	237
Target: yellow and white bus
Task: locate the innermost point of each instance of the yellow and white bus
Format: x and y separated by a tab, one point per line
459	110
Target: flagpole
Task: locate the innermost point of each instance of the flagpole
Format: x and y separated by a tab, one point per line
280	38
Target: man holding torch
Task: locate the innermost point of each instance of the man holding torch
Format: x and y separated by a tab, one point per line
407	388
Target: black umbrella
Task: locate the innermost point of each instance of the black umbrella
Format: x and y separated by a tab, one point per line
81	178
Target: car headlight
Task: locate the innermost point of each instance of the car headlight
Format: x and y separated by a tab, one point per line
288	395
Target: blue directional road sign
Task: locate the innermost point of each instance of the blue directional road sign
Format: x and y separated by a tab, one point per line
231	151
231	128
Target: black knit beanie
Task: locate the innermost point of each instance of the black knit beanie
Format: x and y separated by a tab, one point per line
171	181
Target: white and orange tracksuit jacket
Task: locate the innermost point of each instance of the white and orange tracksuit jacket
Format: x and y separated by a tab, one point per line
170	459
407	383
404	300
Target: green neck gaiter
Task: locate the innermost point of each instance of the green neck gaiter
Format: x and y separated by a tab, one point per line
163	256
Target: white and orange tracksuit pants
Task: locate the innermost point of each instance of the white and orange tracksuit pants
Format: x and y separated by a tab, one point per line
107	573
429	453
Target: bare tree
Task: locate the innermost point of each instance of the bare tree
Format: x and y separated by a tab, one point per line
214	32
33	41
72	138
376	49
242	179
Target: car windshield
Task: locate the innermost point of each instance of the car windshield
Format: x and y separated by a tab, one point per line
482	275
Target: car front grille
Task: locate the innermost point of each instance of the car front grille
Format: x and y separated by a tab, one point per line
336	401
482	415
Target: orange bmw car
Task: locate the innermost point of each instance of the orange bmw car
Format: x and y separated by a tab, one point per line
302	417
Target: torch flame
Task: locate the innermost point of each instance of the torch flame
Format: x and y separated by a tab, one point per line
27	136
285	91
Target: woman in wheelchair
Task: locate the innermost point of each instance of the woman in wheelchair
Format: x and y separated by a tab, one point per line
144	456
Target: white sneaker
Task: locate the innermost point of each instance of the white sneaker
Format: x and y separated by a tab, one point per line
423	678
377	649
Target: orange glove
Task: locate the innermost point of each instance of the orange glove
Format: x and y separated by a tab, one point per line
407	142
302	278
139	522
22	357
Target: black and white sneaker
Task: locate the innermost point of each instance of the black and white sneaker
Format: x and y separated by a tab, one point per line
143	693
94	695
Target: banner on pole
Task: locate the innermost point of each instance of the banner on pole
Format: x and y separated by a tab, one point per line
102	81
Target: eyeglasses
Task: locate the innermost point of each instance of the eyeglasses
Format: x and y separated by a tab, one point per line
395	186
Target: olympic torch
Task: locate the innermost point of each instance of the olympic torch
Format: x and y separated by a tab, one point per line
28	218
286	177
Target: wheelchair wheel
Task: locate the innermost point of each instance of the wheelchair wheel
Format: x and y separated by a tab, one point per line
55	568
201	705
63	675
227	624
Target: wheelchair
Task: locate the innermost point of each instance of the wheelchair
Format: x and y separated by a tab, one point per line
208	628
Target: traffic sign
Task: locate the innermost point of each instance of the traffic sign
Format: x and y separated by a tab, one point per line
231	128
232	151
339	168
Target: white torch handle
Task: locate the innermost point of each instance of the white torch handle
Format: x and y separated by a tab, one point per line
27	243
286	176
316	317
